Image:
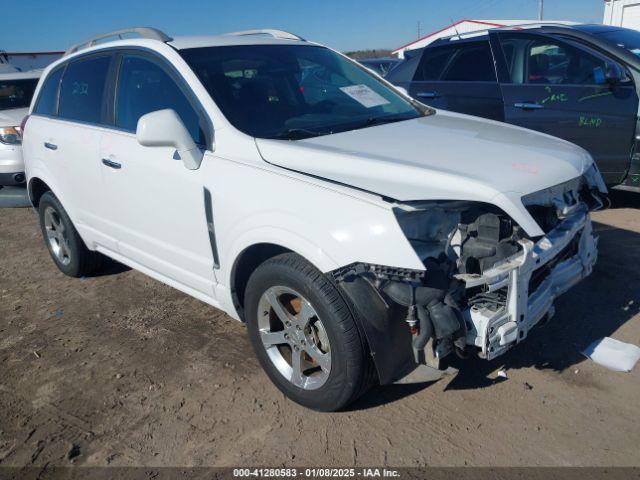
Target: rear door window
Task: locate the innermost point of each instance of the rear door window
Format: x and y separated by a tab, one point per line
83	88
48	98
472	63
144	87
535	59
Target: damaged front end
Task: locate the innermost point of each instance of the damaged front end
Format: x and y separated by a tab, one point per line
486	283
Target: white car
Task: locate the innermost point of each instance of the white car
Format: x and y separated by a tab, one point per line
357	232
16	93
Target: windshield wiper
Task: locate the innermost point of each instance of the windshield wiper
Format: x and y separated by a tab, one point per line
298	134
302	133
373	121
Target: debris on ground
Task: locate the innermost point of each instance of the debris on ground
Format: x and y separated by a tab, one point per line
613	354
503	374
37	355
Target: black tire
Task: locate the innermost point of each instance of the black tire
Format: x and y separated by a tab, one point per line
352	372
80	261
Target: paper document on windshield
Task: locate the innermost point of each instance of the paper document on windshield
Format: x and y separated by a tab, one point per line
364	96
613	354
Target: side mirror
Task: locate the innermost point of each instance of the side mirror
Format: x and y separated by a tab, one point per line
165	129
614	75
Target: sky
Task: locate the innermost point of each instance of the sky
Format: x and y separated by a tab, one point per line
46	25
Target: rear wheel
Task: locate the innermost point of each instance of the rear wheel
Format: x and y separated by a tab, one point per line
67	249
305	336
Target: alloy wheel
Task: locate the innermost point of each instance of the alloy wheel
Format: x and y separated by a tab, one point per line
294	337
57	236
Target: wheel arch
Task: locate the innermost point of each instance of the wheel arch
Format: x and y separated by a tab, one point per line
245	264
36	188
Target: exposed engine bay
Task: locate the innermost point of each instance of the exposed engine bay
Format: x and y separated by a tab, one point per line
486	282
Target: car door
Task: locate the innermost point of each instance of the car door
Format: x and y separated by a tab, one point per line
70	139
461	78
560	87
156	205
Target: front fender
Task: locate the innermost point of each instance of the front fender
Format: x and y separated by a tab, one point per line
282	237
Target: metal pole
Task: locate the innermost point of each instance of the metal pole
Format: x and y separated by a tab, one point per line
541	12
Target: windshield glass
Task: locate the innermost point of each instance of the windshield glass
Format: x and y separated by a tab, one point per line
294	91
629	39
16	93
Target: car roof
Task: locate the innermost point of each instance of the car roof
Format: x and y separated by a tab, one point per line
541	27
186	42
149	36
595	28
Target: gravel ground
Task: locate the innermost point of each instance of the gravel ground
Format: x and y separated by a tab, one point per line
122	370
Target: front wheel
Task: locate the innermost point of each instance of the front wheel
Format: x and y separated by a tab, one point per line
305	336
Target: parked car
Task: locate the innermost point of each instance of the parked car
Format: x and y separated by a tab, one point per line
381	66
358	237
16	92
579	83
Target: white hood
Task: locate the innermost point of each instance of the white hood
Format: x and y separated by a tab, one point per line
444	156
12	117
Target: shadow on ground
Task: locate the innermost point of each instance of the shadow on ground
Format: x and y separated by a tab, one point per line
623	199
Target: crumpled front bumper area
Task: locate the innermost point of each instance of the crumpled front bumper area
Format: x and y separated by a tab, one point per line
530	281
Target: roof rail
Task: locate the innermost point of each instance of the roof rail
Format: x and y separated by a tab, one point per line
144	32
520	26
274	33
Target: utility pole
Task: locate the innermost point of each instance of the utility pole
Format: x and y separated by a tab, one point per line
419	29
541	12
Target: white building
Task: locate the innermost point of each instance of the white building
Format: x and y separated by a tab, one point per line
622	13
463	26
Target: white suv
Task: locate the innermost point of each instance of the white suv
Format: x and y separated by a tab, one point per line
16	92
359	234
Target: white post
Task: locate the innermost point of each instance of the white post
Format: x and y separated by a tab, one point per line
541	12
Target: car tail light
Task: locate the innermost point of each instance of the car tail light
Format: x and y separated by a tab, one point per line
10	135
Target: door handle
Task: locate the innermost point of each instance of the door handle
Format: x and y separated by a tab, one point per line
111	164
50	146
428	95
529	106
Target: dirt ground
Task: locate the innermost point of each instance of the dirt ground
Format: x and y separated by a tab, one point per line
122	370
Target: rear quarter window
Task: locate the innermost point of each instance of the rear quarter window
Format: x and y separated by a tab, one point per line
472	63
433	63
82	89
48	99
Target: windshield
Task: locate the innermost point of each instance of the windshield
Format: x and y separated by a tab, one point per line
629	39
294	91
16	93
